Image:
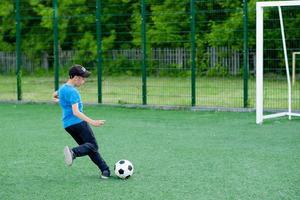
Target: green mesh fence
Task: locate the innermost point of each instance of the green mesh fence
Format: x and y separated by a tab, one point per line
220	45
36	47
7	53
77	42
152	52
169	53
121	47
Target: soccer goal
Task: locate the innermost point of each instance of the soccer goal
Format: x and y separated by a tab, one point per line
260	8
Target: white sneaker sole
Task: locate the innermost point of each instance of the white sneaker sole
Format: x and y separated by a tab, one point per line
104	177
68	156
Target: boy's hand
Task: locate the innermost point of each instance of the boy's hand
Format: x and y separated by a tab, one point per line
56	100
97	123
55	97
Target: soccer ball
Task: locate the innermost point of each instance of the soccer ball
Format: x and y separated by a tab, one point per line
123	169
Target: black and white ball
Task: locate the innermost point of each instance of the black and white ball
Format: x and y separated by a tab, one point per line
123	169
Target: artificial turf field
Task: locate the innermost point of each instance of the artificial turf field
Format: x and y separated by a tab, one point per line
176	155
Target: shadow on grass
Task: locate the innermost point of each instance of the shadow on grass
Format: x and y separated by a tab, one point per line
112	178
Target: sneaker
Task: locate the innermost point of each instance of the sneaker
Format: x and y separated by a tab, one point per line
68	156
105	174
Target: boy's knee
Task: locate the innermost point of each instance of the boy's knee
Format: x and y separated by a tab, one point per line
93	146
96	147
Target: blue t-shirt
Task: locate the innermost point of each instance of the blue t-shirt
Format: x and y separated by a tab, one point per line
69	95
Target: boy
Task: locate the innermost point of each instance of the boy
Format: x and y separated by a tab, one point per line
76	123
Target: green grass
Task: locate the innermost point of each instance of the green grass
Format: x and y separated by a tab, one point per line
175	91
176	155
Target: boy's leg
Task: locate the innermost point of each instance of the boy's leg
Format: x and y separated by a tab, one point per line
83	135
68	152
95	156
74	131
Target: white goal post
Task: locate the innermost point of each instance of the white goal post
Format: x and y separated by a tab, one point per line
259	59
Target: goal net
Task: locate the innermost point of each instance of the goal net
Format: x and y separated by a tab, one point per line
277	40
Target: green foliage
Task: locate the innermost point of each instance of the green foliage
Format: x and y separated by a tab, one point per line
121	66
218	23
225	31
168	28
202	68
7	25
217	70
87	49
108	41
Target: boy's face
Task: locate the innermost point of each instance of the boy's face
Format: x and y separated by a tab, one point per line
78	81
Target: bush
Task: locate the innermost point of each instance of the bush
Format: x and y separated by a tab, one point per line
121	66
217	70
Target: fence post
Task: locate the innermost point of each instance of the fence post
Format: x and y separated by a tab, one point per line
55	50
18	51
245	53
193	52
144	53
99	49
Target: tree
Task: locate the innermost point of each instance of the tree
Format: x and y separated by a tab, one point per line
7	26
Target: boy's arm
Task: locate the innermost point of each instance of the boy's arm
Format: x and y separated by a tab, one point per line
55	97
83	117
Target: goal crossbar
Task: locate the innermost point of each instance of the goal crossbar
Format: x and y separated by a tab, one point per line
277	3
259	61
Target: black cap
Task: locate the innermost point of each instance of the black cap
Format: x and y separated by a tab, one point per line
78	70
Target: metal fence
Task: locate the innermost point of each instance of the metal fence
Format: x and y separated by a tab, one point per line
178	53
229	58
